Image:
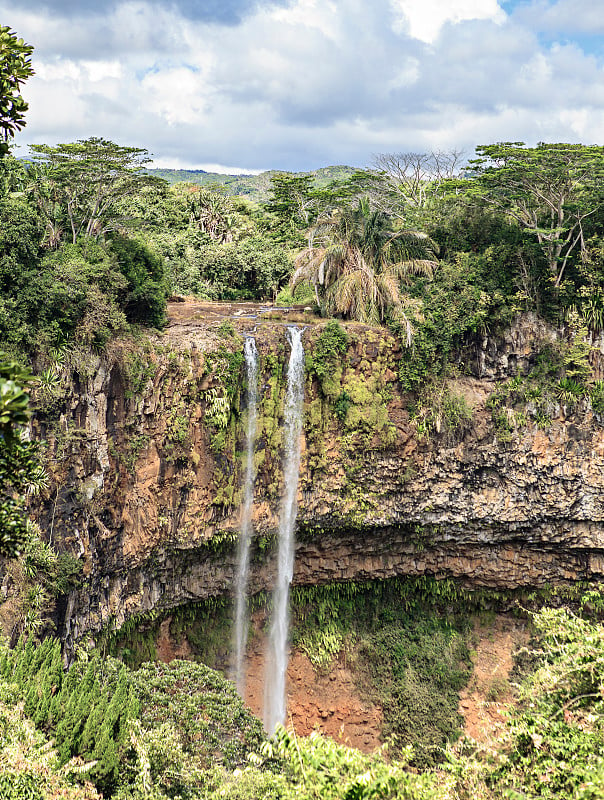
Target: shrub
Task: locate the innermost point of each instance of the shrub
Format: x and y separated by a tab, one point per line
145	299
328	350
596	395
556	742
440	410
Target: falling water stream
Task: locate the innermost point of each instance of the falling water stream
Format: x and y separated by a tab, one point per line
245	535
274	691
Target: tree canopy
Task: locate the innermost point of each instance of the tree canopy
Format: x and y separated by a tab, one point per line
15	69
549	190
78	186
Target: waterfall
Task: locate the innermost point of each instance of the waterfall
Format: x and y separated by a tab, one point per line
245	535
274	693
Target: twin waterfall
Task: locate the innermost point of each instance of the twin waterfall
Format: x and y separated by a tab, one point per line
245	534
276	662
274	683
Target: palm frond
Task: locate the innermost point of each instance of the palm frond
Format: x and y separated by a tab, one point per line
359	261
388	287
402	269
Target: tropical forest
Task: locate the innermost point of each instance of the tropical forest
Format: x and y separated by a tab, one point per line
301	474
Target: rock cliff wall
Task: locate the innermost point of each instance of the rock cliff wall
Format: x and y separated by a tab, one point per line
145	462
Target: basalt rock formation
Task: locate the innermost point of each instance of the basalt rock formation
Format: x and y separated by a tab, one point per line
145	465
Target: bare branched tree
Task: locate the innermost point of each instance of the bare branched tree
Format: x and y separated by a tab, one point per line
411	180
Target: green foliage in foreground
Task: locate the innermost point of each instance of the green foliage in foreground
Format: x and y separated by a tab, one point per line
188	735
172	721
317	767
177	731
29	765
555	747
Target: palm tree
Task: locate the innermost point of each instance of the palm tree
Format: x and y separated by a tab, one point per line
356	261
213	214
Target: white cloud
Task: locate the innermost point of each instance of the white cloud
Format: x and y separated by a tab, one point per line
424	19
566	17
56	71
312	83
322	15
100	70
78	71
177	95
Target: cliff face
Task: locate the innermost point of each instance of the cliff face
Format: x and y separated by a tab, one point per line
145	464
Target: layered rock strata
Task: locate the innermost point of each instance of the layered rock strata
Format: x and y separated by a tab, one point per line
145	474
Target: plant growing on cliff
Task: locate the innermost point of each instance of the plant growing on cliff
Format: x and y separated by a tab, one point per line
224	366
322	645
409	660
439	410
20	471
326	356
576	351
596	396
138	368
569	391
328	350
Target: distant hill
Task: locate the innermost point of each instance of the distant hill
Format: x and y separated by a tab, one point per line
254	187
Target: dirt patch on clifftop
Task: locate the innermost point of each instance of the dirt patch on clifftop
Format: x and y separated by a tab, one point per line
199	323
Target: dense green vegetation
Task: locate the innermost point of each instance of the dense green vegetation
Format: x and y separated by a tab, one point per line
159	725
92	243
256	188
107	239
519	229
180	731
411	659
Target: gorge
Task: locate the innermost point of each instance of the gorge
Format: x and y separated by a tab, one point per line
182	465
146	482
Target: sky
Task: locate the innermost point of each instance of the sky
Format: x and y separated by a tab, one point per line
250	85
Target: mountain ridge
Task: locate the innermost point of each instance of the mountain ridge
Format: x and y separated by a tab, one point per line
254	187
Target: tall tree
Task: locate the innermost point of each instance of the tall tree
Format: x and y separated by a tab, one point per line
406	182
356	260
212	212
549	190
81	184
15	69
292	199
